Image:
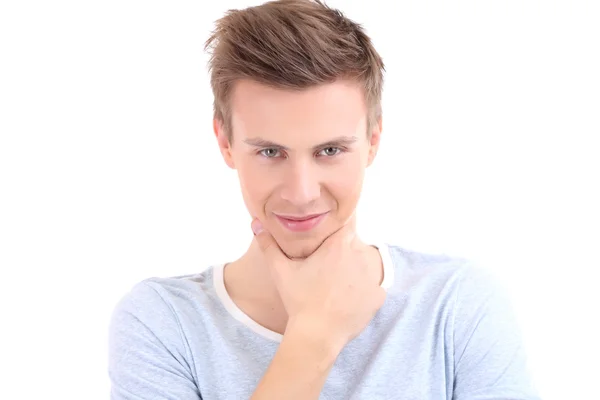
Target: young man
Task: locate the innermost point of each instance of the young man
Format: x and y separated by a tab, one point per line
310	311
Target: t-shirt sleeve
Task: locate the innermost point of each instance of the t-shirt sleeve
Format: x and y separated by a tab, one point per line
489	358
148	357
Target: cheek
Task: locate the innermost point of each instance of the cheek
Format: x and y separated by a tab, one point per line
255	188
347	185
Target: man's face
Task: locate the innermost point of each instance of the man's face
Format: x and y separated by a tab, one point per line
298	154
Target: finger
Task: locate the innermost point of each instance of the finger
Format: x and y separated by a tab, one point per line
349	229
337	241
344	235
266	242
275	259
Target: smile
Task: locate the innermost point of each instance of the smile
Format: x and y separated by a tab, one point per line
300	223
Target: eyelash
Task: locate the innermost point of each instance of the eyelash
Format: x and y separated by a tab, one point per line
340	150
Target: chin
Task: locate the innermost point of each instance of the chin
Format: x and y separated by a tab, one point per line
301	249
300	246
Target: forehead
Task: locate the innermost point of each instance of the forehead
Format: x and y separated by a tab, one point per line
298	117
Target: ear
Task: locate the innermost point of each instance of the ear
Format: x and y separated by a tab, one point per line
375	140
224	143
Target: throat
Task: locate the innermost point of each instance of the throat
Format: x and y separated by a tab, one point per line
269	314
254	293
249	285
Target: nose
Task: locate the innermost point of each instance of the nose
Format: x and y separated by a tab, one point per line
301	184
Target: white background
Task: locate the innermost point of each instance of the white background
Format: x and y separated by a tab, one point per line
110	173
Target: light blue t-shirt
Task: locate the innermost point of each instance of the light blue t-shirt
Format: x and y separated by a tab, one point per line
446	331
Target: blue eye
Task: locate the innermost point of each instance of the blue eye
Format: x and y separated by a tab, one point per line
331	151
273	152
269	153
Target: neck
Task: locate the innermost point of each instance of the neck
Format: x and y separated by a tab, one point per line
249	284
249	274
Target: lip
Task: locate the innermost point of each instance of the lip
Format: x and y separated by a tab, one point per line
300	223
300	218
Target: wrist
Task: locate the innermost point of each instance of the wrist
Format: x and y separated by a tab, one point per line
315	335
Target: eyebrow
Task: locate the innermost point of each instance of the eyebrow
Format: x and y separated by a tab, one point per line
339	141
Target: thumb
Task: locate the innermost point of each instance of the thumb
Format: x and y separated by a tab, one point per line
266	242
275	259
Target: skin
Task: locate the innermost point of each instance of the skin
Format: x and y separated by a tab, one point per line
307	177
298	153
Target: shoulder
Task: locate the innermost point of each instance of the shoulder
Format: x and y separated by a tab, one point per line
149	338
163	291
455	285
163	304
415	269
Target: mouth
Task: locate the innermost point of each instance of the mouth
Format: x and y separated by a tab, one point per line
302	223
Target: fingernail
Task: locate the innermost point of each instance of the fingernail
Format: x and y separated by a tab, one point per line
257	227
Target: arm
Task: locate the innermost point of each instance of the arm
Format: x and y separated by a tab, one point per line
147	356
489	358
300	366
329	297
